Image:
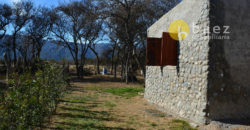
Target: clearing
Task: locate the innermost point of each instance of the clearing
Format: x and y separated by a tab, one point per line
98	102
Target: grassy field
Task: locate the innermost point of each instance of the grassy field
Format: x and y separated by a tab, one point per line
98	102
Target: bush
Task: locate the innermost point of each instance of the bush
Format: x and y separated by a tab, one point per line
31	97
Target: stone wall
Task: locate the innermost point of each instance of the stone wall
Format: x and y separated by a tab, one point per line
229	66
212	78
182	92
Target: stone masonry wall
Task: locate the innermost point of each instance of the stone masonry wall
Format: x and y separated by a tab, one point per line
182	92
229	66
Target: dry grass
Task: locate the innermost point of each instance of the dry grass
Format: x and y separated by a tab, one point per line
99	102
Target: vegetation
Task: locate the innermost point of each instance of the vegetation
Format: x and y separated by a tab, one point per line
32	96
180	125
88	106
79	26
125	92
76	113
34	91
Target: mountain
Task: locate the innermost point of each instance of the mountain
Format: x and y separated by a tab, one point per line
53	51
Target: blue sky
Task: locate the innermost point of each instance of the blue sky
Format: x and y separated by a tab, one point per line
47	3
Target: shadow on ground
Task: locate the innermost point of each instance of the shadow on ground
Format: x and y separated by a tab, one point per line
80	109
103	78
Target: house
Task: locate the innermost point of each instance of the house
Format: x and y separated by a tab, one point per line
198	61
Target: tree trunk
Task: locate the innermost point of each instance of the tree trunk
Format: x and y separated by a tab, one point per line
82	64
142	67
112	65
112	60
127	68
97	65
115	67
8	66
122	69
97	60
77	68
39	49
14	48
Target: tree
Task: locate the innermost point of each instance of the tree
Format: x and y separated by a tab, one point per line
77	27
130	19
110	32
5	18
24	49
22	13
92	28
39	29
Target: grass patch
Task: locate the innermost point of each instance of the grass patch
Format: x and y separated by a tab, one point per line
180	125
124	92
153	124
77	101
109	104
79	123
77	113
155	113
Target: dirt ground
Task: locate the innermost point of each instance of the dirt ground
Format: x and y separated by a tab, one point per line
99	102
89	106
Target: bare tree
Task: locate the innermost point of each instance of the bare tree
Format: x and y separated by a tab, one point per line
64	29
115	49
5	18
77	27
124	16
24	49
90	33
39	29
22	13
130	19
5	45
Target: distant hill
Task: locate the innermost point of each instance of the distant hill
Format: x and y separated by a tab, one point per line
52	51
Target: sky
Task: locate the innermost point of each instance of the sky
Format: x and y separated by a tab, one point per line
47	3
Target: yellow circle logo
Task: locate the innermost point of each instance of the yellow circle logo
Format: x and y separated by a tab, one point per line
178	29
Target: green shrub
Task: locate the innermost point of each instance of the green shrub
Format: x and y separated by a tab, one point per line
31	97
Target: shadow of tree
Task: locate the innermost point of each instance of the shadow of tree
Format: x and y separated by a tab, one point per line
76	88
78	111
92	125
85	111
66	101
96	79
101	78
89	115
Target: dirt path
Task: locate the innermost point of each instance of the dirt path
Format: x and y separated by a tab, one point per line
107	105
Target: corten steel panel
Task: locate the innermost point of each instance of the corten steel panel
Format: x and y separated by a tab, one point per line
169	50
153	52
